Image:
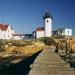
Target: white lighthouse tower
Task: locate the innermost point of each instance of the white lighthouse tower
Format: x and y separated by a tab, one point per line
47	25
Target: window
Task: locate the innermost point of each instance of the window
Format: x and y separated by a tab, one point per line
20	36
4	35
61	31
47	21
8	35
68	31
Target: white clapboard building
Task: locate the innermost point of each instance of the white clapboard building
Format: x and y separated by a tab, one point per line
64	32
6	31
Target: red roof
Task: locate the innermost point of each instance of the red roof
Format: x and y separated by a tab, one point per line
3	27
40	29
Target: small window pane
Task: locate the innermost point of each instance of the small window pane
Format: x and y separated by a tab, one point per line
68	32
47	21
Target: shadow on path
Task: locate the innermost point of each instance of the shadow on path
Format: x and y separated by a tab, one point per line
21	68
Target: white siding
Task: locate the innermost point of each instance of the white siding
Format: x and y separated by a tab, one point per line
39	34
48	27
18	37
68	32
10	33
64	32
2	34
6	34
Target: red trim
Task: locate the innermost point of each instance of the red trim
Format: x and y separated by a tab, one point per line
3	27
40	29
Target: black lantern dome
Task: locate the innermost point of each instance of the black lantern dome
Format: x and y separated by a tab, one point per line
47	15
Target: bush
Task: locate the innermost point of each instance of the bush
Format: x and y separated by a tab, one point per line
47	40
2	43
21	43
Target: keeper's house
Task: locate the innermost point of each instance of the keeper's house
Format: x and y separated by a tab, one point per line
6	31
66	32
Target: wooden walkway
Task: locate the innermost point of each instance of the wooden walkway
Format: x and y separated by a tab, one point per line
49	63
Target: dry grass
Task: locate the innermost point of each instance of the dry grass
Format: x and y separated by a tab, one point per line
15	51
68	44
21	47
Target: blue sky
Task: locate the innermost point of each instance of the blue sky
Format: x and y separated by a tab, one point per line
25	15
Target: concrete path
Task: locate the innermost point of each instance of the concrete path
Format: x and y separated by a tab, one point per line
49	63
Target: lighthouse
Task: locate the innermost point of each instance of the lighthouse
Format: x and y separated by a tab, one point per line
47	25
